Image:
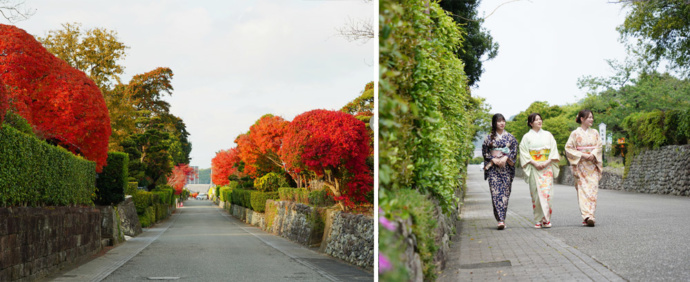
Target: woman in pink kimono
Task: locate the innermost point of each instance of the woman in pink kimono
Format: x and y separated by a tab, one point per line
583	150
539	160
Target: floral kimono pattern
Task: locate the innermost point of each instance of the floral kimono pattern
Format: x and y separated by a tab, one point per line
500	179
586	173
540	146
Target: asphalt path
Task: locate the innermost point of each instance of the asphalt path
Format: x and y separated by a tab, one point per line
203	243
641	237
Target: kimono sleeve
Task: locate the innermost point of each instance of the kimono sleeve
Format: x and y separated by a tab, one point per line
513	150
571	151
598	151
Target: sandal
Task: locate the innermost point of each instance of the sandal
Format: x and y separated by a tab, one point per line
538	225
546	224
590	222
501	225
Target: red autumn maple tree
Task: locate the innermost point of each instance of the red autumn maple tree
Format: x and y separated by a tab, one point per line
225	164
63	105
334	145
179	176
258	149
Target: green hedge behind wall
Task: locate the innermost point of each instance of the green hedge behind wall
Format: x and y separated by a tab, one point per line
35	173
258	199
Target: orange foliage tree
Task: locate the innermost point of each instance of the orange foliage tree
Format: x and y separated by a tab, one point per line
258	149
334	145
179	176
63	105
224	164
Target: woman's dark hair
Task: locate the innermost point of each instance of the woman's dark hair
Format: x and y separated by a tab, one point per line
531	118
494	124
583	114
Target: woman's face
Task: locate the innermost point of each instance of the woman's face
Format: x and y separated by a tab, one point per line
536	124
588	121
500	124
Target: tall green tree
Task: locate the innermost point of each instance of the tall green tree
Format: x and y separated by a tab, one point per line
95	51
478	45
659	30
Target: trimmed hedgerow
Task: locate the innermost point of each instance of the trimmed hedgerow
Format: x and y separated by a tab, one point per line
258	199
299	195
241	197
132	187
321	198
166	194
35	173
112	181
224	193
142	200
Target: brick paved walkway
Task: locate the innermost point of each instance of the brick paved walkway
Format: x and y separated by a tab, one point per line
518	253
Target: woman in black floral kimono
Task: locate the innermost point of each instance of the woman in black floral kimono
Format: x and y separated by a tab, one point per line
499	151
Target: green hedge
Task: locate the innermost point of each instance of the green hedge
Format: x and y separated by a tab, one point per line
258	199
299	195
142	200
34	173
132	187
112	181
241	197
321	198
224	193
166	194
658	128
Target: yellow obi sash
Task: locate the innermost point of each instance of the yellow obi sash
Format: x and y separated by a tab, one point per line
540	155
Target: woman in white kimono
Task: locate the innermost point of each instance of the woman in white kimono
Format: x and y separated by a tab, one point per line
539	160
583	150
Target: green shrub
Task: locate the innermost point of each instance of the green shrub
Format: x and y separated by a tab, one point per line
35	173
321	198
241	197
166	194
258	199
477	160
132	187
18	122
224	193
299	195
142	200
411	204
111	182
270	182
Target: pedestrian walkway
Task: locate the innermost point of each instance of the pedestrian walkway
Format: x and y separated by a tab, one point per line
518	253
100	267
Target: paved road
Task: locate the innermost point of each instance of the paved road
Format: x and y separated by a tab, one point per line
638	237
201	242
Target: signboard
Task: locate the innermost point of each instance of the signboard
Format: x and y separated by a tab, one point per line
602	132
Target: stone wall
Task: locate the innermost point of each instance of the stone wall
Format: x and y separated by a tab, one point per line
36	242
447	227
665	170
111	232
129	221
351	238
298	222
611	178
249	216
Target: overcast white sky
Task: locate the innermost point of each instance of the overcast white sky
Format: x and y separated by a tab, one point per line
545	46
233	60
